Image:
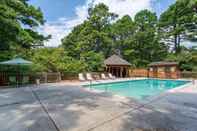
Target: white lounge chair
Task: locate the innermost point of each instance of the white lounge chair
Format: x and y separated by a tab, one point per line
103	76
111	76
81	77
89	77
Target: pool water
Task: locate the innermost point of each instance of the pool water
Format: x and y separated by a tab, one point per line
139	89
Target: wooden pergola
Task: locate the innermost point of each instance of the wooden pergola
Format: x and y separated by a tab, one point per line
117	66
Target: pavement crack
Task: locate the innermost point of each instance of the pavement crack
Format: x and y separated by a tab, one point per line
45	110
15	103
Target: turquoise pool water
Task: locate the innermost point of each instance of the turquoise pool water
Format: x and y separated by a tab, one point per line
139	89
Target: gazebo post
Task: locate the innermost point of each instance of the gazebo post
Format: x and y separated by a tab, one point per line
111	70
121	72
127	71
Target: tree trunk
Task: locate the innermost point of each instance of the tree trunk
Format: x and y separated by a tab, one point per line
178	44
175	43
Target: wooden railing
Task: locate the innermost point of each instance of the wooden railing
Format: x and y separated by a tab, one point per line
188	74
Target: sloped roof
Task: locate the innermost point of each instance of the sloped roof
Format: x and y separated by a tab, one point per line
16	61
116	60
163	63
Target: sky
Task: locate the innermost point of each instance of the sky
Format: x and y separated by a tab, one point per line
62	15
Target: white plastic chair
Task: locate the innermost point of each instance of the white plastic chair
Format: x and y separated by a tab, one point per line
103	76
81	77
89	77
111	76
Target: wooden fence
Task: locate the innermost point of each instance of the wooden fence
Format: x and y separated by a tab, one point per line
188	74
42	77
3	78
138	73
74	76
146	73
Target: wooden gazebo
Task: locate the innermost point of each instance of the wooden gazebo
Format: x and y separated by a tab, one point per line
117	66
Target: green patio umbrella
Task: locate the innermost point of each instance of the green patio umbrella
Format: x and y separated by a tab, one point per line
17	62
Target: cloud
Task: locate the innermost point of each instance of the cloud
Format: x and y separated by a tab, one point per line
189	44
124	7
63	26
57	30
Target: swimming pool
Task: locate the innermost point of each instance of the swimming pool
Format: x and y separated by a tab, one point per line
139	89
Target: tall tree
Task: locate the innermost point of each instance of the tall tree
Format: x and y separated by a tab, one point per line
18	22
55	60
138	40
179	23
91	38
122	31
145	45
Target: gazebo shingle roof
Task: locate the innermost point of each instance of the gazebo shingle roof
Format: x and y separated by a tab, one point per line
162	63
116	60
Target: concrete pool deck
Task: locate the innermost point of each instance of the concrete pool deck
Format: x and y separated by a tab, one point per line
64	107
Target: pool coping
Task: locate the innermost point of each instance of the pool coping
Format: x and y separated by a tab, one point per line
110	81
125	80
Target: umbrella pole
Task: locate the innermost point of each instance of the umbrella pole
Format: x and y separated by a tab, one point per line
17	81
